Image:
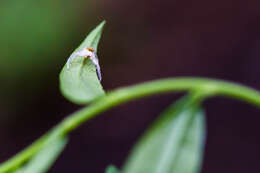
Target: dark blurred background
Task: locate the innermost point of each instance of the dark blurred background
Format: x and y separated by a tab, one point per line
143	40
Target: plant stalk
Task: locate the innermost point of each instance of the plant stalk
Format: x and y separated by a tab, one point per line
208	87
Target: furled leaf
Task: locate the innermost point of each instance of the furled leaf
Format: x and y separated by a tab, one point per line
45	158
79	83
112	169
174	144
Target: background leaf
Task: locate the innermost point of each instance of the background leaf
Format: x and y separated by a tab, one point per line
45	158
80	83
112	169
174	144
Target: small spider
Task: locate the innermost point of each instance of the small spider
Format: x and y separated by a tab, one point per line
86	53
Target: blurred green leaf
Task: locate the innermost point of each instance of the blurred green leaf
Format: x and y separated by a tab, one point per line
112	169
80	83
174	144
45	158
33	36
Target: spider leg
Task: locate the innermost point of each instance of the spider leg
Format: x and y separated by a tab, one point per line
98	72
94	59
72	56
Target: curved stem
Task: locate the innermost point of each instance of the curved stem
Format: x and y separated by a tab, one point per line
122	95
208	87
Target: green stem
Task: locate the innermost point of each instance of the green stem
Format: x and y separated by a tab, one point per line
122	95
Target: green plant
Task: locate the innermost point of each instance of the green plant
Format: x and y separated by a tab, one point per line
174	143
